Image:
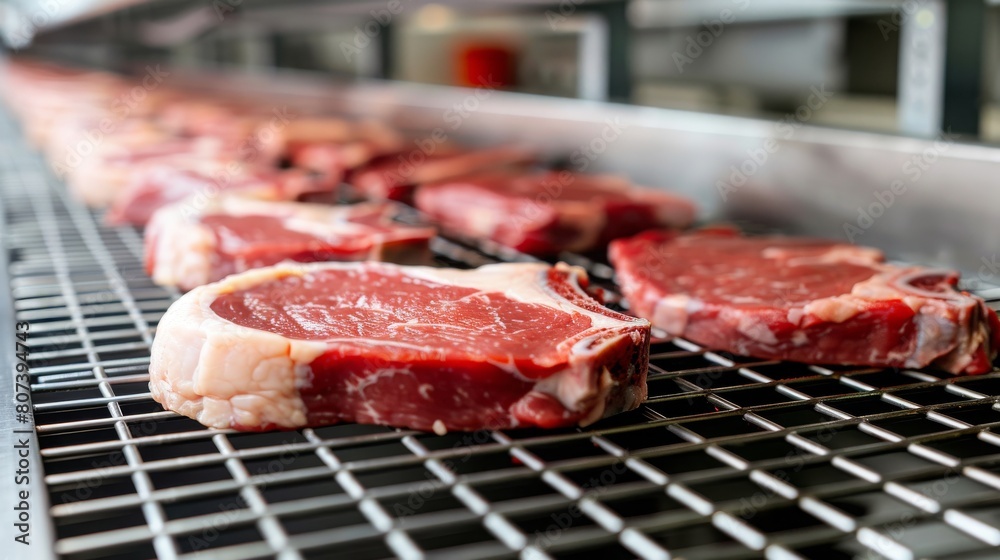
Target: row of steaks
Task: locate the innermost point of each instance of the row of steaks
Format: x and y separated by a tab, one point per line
174	160
294	317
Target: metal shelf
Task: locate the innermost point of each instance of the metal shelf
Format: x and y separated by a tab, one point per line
651	14
731	457
23	19
941	41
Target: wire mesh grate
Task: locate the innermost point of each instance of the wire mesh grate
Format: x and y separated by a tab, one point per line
731	457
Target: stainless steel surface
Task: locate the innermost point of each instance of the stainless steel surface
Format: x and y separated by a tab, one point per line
816	181
731	457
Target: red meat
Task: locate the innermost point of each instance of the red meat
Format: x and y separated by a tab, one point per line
501	346
396	176
545	213
198	241
806	300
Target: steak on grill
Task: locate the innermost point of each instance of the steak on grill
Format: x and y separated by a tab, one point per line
806	300
198	241
548	212
501	346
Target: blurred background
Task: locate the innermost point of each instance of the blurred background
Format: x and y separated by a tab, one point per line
910	67
849	97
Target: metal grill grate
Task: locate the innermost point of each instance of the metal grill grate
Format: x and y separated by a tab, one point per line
730	458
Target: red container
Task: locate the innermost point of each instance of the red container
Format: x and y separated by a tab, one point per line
486	64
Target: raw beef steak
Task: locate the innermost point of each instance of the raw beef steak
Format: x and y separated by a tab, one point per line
501	346
548	212
317	130
153	187
396	176
806	300
334	160
190	243
334	156
98	179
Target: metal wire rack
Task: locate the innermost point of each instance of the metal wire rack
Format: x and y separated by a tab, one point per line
731	457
